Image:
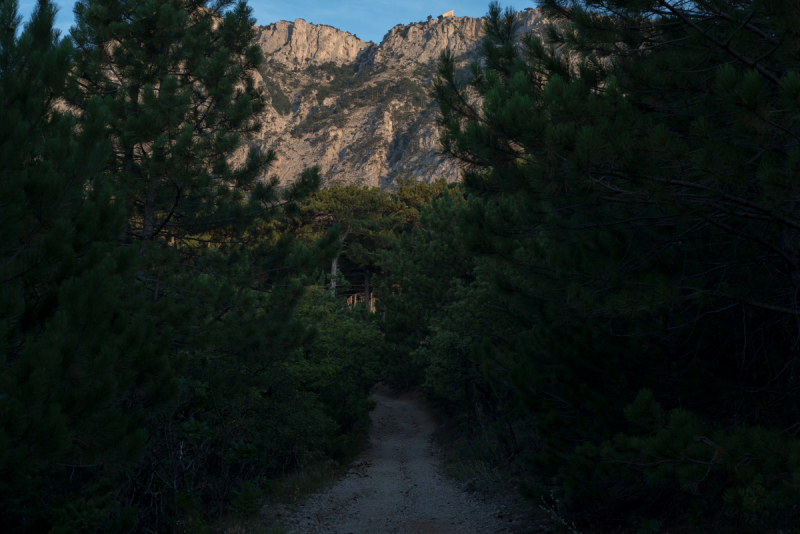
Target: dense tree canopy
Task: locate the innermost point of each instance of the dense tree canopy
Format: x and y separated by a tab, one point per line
82	364
606	305
631	191
156	340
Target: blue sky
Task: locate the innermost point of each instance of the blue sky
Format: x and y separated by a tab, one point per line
369	19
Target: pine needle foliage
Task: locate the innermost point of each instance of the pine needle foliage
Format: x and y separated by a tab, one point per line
214	265
160	360
631	180
178	79
420	267
81	365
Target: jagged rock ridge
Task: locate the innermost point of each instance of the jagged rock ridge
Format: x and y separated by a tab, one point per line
360	110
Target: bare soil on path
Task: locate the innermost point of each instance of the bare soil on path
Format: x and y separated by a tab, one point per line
397	486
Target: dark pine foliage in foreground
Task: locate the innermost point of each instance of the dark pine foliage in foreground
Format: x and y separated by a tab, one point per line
165	350
615	290
607	303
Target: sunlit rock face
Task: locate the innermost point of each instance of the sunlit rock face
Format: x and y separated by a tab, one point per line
299	41
358	110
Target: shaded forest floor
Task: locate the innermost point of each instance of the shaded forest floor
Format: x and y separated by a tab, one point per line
398	486
408	479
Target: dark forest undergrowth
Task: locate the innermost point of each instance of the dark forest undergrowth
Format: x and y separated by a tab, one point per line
605	306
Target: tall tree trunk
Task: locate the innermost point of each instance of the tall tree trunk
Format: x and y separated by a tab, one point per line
334	268
335	264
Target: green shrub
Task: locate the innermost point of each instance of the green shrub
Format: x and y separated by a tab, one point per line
336	79
280	102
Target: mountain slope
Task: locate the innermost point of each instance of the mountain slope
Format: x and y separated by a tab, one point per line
359	110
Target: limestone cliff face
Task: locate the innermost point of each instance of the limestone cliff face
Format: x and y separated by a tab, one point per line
300	43
359	110
424	42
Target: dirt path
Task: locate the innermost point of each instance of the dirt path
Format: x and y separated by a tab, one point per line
397	488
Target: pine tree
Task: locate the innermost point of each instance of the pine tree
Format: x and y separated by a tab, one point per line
631	180
214	266
362	219
420	265
81	368
178	80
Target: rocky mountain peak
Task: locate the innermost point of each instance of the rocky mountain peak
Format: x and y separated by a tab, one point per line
360	111
302	43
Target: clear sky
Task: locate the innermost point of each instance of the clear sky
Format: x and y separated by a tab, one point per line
368	19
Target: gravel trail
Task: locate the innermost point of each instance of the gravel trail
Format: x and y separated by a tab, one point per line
397	488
